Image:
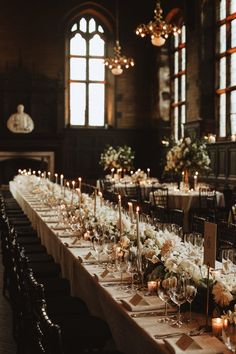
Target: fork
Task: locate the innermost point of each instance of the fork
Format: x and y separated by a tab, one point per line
193	332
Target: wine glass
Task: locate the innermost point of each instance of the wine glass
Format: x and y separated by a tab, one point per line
227	260
121	264
163	291
178	294
98	246
191	292
132	268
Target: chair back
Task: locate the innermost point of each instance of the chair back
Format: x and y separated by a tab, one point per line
160	197
207	198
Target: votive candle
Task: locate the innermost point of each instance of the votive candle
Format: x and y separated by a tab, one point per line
152	287
217	325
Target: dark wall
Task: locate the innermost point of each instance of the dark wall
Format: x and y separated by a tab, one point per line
32	61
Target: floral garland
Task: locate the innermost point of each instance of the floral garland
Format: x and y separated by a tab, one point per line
165	250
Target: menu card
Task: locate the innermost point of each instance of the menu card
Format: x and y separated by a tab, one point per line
210	238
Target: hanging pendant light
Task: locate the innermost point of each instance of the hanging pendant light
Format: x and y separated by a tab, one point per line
159	30
119	61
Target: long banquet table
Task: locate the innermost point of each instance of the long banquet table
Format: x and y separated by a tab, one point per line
132	335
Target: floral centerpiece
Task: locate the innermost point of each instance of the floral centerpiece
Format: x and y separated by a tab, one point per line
188	155
119	157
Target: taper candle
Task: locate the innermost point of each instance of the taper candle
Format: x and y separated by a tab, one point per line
137	227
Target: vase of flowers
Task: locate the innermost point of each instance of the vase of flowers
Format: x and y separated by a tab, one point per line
188	156
119	157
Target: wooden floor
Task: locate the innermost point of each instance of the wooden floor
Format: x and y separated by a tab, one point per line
7	344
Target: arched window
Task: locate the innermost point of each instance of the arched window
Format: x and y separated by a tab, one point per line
86	72
178	81
226	67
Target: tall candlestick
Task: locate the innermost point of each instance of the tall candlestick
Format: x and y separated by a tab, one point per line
131	211
80	182
61	180
183	176
56	178
148	172
195	182
101	199
79	196
73	184
39	173
95	201
137	227
34	172
49	176
120	219
112	172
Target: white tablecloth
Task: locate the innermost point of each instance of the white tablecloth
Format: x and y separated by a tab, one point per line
186	200
131	335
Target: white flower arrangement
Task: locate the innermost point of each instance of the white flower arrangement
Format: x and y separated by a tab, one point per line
117	157
187	154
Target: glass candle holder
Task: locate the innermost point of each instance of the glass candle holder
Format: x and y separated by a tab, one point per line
217	326
152	287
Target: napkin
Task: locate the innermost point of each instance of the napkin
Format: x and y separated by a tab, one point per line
200	345
142	304
106	276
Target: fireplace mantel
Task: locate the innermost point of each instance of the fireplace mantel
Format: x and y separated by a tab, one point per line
46	156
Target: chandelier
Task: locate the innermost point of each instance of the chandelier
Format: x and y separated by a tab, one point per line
119	61
158	29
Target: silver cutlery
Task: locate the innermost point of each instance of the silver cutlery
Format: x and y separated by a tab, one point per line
193	332
150	314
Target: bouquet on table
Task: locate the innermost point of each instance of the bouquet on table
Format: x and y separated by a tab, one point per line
188	155
119	157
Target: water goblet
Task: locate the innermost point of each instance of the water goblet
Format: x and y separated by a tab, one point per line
191	292
163	292
178	295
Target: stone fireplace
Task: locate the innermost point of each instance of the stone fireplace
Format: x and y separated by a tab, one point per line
12	161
